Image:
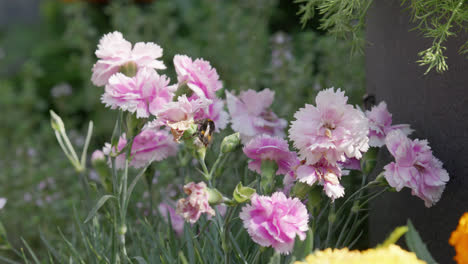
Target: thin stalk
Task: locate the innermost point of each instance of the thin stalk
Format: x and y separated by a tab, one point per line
332	215
225	240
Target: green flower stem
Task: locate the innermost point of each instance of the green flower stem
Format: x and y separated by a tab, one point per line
206	172
225	235
331	221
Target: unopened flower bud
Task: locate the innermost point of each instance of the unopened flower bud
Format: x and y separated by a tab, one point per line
242	194
97	156
230	143
214	196
129	69
56	122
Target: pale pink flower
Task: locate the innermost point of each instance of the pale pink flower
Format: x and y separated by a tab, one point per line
199	76
180	115
204	81
145	94
415	167
97	155
251	114
323	173
380	124
177	222
265	147
216	113
333	129
114	51
148	146
196	203
275	221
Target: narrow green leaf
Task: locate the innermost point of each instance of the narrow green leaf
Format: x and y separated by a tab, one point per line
415	244
140	260
189	243
98	205
36	260
8	261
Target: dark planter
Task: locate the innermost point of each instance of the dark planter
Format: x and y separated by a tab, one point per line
436	106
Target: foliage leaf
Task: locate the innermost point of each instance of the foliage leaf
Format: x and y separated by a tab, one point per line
415	244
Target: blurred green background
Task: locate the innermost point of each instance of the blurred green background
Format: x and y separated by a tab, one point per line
46	64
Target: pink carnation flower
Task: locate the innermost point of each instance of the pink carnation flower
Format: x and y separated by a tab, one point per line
114	51
265	147
322	173
275	221
204	81
145	94
180	115
216	113
415	167
150	145
251	114
199	76
380	124
196	203
333	129
177	222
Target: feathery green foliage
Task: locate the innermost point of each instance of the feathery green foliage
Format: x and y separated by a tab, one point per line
436	19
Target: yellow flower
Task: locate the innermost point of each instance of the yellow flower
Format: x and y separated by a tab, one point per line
459	239
392	254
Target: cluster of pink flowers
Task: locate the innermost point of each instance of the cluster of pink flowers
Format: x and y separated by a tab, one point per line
275	221
150	145
149	93
333	131
192	207
415	167
251	114
329	136
380	124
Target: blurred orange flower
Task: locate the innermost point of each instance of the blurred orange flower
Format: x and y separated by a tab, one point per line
459	240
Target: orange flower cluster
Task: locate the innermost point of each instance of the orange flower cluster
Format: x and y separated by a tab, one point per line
459	240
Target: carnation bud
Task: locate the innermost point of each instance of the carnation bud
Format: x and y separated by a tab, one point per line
242	194
230	143
214	196
97	156
129	69
269	169
56	122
